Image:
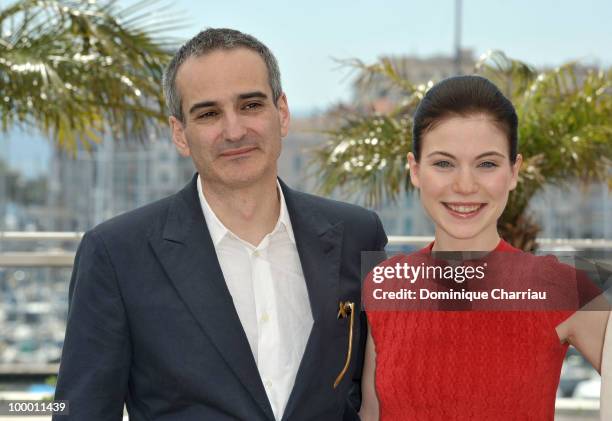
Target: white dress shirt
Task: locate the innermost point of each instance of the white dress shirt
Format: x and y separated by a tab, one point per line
270	296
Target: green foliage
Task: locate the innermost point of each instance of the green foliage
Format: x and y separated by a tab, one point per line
370	150
76	70
565	133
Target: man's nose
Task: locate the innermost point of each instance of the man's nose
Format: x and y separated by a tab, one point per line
233	127
465	182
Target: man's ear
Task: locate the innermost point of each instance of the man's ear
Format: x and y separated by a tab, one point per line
516	167
284	115
178	136
413	167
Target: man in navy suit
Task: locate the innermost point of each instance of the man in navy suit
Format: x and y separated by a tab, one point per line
233	299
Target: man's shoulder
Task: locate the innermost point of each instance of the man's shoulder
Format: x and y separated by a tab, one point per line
137	222
363	228
333	209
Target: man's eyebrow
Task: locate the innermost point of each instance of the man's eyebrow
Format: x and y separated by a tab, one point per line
254	94
246	95
203	104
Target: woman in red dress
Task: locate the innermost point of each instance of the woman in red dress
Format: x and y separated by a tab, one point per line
470	365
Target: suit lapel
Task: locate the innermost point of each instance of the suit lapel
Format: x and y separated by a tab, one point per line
319	245
187	254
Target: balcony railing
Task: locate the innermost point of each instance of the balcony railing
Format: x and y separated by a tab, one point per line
62	258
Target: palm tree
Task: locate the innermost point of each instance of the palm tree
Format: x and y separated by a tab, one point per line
565	132
76	70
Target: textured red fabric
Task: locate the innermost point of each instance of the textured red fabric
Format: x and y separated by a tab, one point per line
475	365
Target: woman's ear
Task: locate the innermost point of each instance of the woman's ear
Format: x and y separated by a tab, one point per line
413	167
516	167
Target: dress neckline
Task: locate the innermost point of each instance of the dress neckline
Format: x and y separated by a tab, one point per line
501	246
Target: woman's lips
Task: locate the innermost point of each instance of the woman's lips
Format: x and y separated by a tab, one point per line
464	210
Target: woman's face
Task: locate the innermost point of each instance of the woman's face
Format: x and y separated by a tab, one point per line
464	177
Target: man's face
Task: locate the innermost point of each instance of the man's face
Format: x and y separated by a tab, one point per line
232	128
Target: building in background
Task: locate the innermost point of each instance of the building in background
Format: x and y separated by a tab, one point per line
115	178
574	212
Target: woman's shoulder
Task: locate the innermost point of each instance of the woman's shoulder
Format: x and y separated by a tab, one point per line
573	281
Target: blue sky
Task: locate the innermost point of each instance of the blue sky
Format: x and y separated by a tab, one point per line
307	35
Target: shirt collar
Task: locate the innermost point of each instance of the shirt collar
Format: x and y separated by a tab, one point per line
218	231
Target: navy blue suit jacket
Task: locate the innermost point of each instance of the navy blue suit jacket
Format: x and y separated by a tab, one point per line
151	322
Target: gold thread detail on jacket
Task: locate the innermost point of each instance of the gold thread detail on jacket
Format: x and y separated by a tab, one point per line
346	308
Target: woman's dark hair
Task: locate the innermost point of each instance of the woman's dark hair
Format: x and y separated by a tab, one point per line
464	96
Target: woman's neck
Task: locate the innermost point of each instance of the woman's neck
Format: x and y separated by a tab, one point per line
483	242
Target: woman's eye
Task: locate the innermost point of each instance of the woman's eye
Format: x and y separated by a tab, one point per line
487	164
443	164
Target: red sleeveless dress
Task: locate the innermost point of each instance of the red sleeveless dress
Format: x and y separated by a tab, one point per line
472	365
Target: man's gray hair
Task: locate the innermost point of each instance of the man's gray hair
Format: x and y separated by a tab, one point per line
208	41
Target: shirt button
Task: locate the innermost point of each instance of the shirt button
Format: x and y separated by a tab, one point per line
256	253
265	317
268	384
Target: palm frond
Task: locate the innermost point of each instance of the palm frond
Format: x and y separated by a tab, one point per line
386	74
511	76
75	71
366	158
